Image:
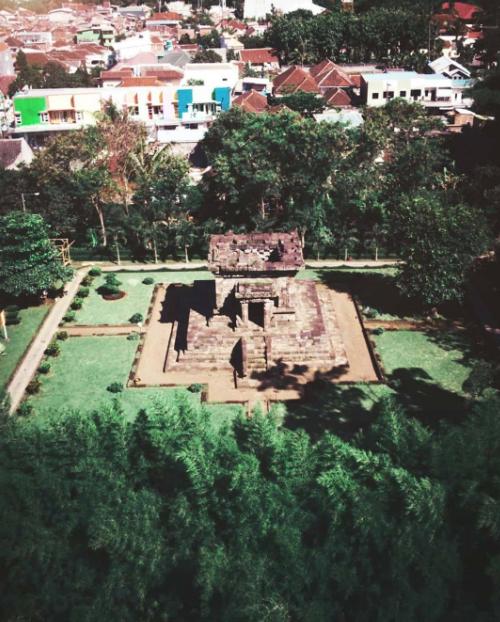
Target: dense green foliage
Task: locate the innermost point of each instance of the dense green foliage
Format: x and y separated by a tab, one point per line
29	263
163	518
51	76
393	36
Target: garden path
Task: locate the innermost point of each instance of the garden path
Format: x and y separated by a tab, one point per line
34	354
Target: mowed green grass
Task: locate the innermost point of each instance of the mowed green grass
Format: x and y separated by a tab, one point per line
86	366
96	310
20	336
444	359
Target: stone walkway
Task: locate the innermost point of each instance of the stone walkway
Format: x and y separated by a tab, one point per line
33	356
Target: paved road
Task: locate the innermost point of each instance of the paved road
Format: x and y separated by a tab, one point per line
34	355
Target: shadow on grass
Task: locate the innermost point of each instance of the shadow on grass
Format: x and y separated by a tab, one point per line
377	291
425	400
337	408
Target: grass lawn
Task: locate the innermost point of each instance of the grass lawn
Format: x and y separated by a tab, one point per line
20	336
375	288
80	375
86	366
96	310
443	359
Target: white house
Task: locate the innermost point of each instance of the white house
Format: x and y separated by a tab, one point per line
131	46
258	9
449	68
211	74
433	91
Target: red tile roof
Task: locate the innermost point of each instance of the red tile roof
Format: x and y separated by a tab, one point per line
233	24
117	75
10	150
251	102
464	10
295	79
151	81
169	16
328	74
5	82
36	58
337	97
258	56
164	74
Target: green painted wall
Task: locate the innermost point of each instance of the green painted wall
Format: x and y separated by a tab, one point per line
87	36
30	107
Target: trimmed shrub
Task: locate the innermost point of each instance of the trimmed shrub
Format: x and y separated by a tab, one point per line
44	367
69	316
87	280
83	292
25	409
77	304
195	387
148	280
12	315
53	349
136	318
62	335
112	279
115	387
95	271
378	331
33	386
133	337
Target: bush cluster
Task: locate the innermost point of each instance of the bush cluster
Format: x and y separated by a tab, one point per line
12	315
115	387
148	280
44	367
69	316
77	304
53	349
33	386
83	292
136	318
95	271
62	335
111	286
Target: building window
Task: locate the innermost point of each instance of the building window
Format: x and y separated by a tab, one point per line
79	115
415	93
44	117
402	93
374	95
133	111
388	94
18	118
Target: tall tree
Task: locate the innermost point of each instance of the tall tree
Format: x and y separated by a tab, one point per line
29	263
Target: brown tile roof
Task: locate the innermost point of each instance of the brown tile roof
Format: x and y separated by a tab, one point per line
164	74
117	75
258	56
251	102
337	97
151	81
328	74
10	150
295	79
13	42
255	252
169	15
5	82
36	58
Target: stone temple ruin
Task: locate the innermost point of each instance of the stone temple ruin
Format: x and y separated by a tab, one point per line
255	327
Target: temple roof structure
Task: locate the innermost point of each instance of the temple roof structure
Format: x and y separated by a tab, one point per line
255	253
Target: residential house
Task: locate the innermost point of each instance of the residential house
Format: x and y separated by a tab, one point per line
258	9
449	68
251	101
14	152
131	46
6	61
39	40
294	79
171	114
434	91
160	20
211	74
263	60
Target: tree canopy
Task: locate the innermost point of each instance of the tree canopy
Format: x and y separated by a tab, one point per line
29	263
165	518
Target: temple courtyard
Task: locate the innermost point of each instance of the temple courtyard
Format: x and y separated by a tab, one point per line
255	332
